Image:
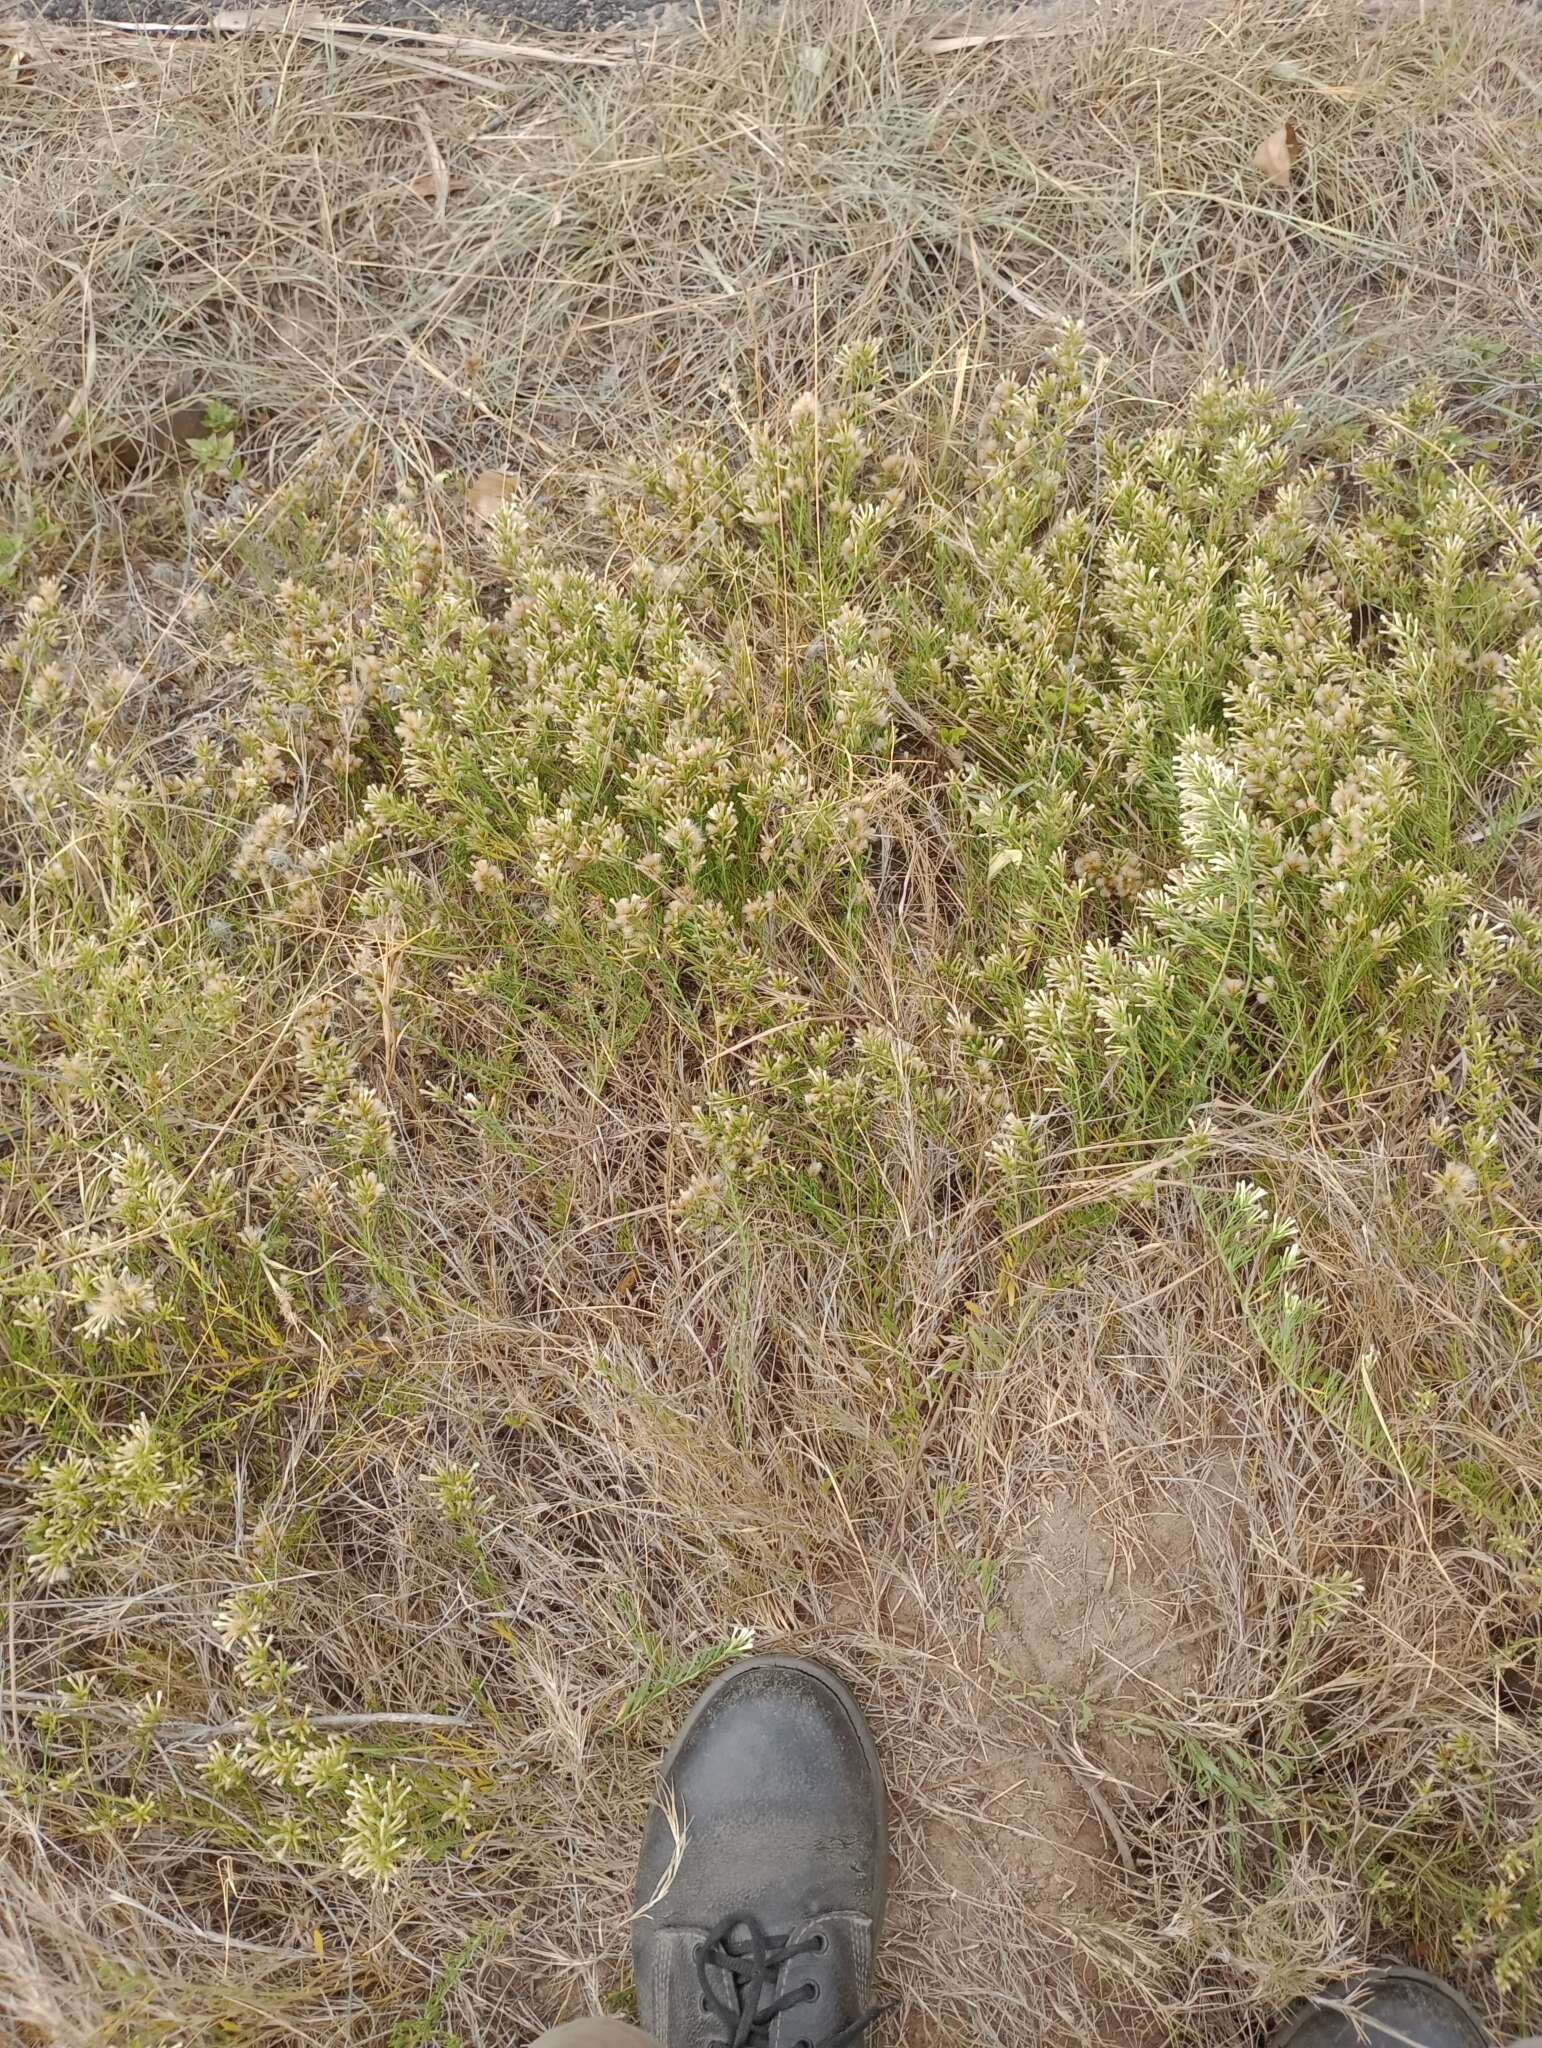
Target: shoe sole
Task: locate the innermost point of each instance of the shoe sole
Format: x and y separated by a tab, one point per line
1393	1973
854	1714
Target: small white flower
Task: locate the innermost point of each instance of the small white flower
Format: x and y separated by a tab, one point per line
118	1300
375	1831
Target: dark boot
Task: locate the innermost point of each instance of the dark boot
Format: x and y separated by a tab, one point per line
1391	2008
757	1929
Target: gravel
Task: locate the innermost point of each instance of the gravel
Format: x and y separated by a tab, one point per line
576	16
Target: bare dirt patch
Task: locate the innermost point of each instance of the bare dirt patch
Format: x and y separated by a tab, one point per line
1094	1615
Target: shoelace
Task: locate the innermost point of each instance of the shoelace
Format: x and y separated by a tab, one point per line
753	1968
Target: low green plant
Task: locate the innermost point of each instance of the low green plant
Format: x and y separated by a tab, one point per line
1221	749
668	1671
965	831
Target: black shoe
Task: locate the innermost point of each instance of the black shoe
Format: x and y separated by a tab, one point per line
761	1884
1392	2008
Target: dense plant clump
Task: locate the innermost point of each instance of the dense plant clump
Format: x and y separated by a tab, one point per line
1204	757
995	820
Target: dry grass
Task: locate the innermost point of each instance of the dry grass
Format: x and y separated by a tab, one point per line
876	1451
554	265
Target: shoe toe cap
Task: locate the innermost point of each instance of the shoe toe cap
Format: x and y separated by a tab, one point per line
775	1781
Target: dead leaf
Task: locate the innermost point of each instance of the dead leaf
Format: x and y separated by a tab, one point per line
947	46
1288	72
438	170
627	1282
429	187
491	492
73	410
1278	154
